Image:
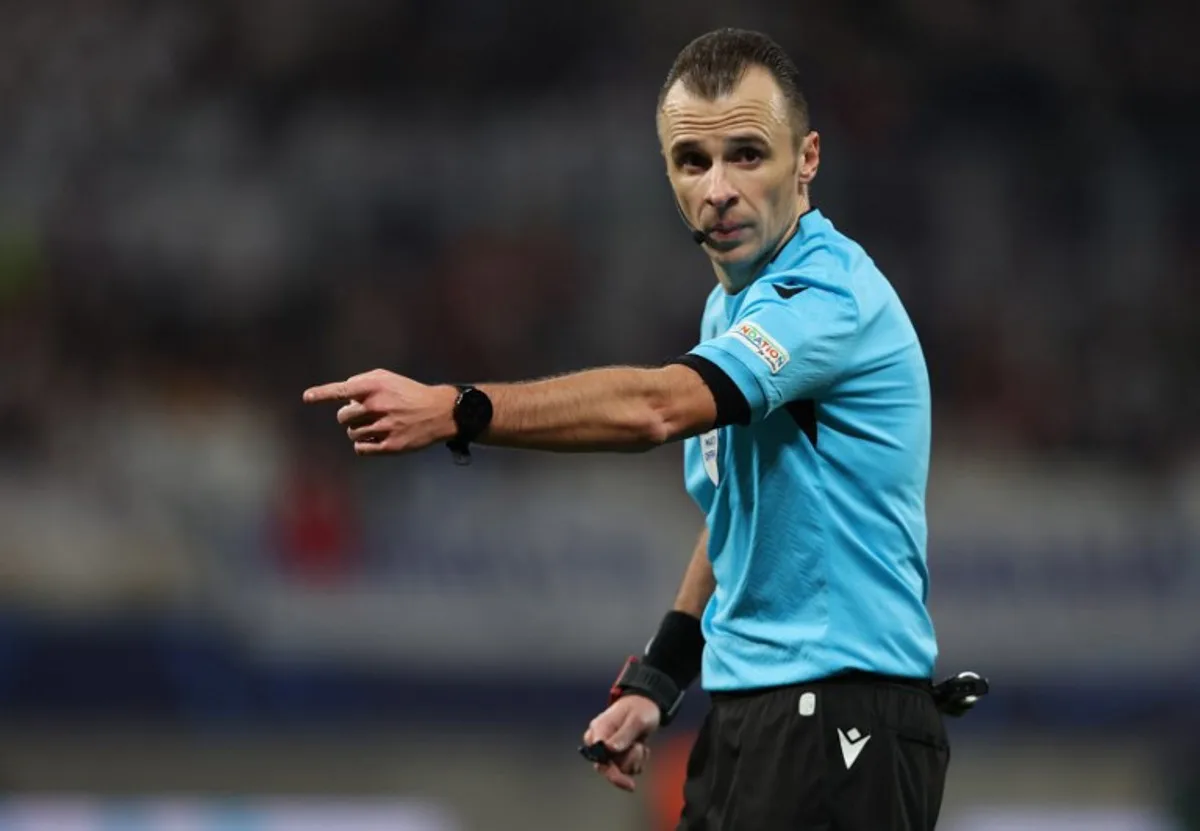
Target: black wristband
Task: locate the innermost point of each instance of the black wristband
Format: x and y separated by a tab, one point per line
638	678
677	649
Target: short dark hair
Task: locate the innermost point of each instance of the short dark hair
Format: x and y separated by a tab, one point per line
714	63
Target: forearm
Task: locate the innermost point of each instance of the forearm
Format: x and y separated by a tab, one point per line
677	649
698	581
616	408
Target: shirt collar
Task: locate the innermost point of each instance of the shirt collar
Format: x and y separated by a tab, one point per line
806	226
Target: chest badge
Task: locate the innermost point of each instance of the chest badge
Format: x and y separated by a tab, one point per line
708	453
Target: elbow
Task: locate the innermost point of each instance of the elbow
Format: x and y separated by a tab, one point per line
647	427
680	406
657	430
666	423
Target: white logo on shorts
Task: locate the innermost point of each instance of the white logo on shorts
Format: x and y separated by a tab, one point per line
852	744
708	452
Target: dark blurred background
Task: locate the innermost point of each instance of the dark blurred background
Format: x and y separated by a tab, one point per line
213	616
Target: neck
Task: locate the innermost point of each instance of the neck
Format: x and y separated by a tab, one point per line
735	277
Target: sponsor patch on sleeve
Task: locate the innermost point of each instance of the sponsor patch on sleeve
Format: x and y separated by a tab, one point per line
761	344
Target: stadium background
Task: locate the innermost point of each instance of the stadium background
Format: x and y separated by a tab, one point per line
212	616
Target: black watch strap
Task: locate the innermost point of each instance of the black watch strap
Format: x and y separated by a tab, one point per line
638	678
472	415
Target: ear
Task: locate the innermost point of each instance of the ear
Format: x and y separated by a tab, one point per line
809	160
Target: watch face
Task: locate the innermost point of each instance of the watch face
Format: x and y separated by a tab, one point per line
473	412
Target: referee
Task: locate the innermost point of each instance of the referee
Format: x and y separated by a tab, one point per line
805	416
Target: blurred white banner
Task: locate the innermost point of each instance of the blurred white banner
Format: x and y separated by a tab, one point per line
220	815
1060	819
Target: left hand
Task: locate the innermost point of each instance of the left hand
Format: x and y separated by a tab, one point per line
624	728
389	413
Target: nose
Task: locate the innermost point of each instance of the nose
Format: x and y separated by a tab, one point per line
719	191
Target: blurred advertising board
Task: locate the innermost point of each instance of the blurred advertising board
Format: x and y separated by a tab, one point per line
563	573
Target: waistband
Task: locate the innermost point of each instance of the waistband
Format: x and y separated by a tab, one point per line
850	676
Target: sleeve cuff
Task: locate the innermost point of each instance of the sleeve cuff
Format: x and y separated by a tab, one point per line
732	406
752	387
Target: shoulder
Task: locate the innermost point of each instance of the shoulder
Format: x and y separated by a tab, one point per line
816	282
830	267
713	315
713	300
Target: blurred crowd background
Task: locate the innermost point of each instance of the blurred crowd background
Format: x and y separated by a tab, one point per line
206	207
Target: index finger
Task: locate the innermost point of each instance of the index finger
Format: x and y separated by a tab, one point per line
352	388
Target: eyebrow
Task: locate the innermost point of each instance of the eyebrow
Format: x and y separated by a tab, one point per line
738	140
742	139
687	146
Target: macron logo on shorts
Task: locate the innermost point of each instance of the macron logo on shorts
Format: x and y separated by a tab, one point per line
762	345
852	744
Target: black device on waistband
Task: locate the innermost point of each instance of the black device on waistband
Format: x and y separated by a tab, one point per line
959	693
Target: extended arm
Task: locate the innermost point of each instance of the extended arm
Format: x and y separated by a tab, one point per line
616	408
613	409
728	379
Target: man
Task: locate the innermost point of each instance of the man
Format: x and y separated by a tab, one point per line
805	413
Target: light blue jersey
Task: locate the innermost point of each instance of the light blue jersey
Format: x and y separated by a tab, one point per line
816	509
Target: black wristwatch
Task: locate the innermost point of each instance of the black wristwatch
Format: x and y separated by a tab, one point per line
472	415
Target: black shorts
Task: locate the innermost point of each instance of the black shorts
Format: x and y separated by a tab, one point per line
853	753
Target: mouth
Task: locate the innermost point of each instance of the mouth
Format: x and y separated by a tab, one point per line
726	231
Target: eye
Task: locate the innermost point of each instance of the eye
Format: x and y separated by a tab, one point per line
692	162
747	155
